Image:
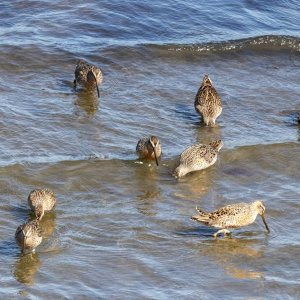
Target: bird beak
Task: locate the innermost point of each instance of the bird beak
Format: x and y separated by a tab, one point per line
155	155
98	93
264	220
24	243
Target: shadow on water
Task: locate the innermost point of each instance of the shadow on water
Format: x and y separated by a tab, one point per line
187	113
291	117
20	212
87	101
203	232
8	248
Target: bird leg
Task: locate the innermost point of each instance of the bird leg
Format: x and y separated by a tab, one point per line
224	231
74	84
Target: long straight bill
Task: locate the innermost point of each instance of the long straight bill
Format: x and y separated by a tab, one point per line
265	222
98	93
155	155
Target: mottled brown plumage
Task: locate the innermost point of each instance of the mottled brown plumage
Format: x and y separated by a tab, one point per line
207	102
232	216
88	75
41	200
198	157
28	235
149	148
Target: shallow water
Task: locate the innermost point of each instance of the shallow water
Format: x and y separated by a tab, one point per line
122	229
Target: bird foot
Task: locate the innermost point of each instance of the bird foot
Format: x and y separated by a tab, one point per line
225	232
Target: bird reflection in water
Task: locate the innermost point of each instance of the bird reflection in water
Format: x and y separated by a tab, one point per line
47	225
26	267
236	256
147	188
195	185
205	135
87	101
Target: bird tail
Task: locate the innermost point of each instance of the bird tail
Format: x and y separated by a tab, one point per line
202	216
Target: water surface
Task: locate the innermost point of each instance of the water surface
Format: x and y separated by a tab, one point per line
122	229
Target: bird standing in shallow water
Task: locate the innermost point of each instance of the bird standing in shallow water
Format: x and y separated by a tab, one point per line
149	148
41	200
232	216
207	102
28	235
198	157
88	75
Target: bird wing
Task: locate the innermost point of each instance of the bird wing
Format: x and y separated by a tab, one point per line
196	153
141	145
35	227
228	216
207	94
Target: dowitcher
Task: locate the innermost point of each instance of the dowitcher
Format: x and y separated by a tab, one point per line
207	102
28	235
232	216
149	148
88	75
198	157
41	200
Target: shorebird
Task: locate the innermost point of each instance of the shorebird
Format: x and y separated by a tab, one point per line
232	216
88	75
198	157
41	200
149	148
207	102
28	235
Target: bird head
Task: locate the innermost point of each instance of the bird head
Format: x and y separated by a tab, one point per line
217	145
206	81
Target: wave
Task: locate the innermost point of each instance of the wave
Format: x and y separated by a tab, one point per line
266	42
258	43
131	158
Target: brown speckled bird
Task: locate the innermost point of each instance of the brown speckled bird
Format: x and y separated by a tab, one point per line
207	102
41	200
28	235
88	75
149	148
232	216
198	157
